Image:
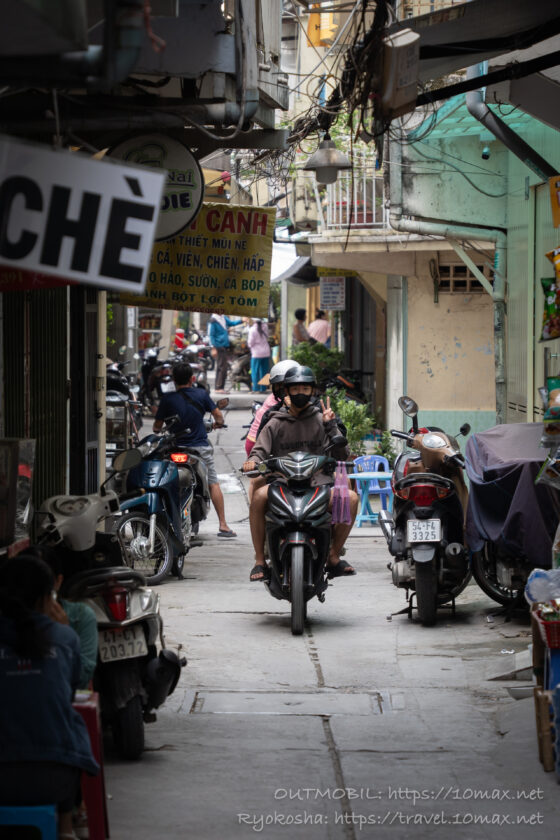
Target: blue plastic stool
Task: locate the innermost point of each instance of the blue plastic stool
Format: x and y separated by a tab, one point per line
42	817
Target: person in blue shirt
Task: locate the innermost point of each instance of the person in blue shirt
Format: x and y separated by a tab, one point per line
190	404
79	616
44	743
219	339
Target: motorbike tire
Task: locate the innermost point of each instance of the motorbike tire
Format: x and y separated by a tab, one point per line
133	530
426	593
481	561
177	567
128	730
296	591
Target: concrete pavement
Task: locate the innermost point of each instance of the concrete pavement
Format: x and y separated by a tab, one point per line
362	727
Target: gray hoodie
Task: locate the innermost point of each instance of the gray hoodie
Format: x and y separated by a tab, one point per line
285	433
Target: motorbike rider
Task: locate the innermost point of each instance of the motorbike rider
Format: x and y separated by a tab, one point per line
190	404
305	427
273	401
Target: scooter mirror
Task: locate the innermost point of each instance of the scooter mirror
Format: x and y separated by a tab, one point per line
126	460
223	403
408	405
465	429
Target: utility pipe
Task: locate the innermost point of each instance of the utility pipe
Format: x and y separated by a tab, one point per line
454	231
477	107
98	67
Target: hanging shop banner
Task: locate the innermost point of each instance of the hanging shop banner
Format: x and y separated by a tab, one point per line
184	187
554	184
65	214
220	263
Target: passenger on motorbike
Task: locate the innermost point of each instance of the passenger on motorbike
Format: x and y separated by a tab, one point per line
299	427
190	404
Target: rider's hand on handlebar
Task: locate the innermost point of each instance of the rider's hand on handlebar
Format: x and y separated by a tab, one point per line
249	466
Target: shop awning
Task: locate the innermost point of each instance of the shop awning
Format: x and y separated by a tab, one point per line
301	273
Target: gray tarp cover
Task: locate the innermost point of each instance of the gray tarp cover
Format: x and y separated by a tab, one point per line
505	504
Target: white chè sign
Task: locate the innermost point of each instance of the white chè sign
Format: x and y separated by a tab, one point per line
65	214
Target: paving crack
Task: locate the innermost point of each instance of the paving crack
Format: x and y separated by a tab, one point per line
344	802
314	656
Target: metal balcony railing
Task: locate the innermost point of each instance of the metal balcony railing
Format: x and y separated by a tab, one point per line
356	199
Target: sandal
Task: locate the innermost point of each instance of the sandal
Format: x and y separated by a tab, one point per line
226	534
259	569
341	569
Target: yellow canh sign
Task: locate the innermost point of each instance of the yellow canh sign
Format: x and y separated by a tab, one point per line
219	263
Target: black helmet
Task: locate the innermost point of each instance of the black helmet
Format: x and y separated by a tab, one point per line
300	375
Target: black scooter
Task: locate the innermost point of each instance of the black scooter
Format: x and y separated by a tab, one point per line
298	529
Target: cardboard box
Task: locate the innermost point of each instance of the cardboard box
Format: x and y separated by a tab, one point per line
17	459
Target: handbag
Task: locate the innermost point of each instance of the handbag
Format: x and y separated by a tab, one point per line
341	496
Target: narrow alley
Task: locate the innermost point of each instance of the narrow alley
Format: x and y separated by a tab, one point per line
362	727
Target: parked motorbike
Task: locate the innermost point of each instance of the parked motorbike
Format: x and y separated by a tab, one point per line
158	525
119	383
240	371
298	529
149	363
348	381
425	531
131	676
511	519
121	424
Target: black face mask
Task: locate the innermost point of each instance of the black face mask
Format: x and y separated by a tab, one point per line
300	400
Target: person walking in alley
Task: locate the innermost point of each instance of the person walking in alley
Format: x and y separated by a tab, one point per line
190	404
219	339
257	342
320	328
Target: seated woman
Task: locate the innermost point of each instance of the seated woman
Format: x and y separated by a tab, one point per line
44	743
80	617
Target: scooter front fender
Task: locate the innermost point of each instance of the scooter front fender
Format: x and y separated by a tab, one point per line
149	501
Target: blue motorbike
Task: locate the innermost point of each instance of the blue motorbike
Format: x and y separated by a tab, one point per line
156	528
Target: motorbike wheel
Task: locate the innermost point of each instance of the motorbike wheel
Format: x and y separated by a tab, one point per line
128	730
133	531
426	593
296	591
177	567
484	566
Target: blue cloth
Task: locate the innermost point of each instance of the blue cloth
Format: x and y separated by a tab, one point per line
259	368
38	722
219	337
83	621
189	416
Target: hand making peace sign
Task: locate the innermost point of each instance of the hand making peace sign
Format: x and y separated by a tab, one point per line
328	413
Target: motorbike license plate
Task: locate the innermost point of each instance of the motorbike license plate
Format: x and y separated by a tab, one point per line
423	530
127	643
167	387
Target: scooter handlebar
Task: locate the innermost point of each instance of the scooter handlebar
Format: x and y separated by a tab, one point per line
396	433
